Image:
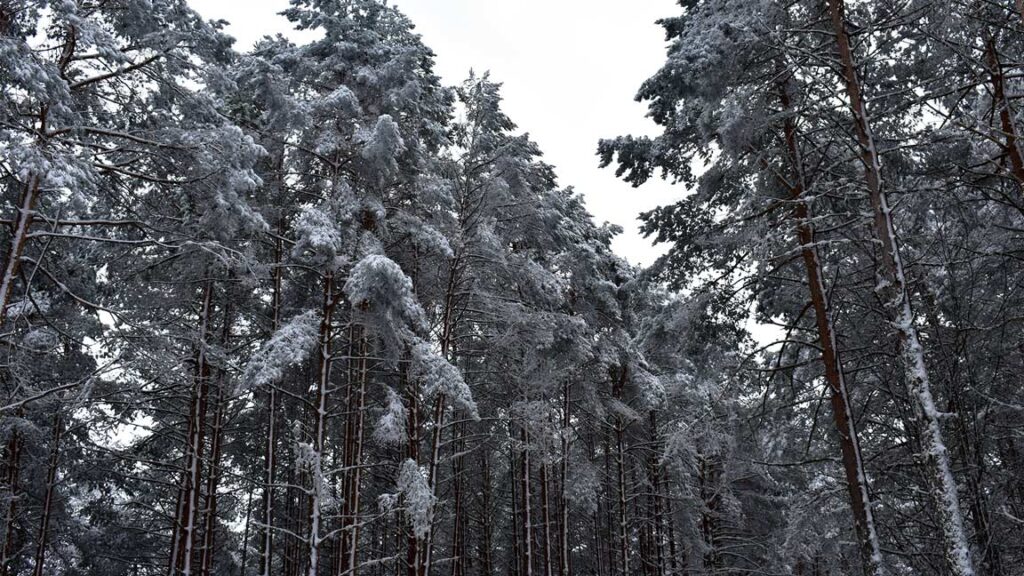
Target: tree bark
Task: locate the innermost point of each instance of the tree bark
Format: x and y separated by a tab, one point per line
318	482
184	534
13	471
842	411
958	553
51	486
620	466
1011	146
525	497
19	237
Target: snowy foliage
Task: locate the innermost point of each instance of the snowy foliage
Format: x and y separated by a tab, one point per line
390	430
438	376
417	498
383	295
288	347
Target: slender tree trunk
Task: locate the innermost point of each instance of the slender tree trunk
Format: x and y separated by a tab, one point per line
710	498
184	533
51	485
487	528
19	237
413	543
267	503
656	496
447	333
350	536
213	474
969	450
842	411
620	466
610	531
524	478
212	485
269	461
958	553
516	566
545	510
1011	146
13	471
458	494
674	561
318	482
564	565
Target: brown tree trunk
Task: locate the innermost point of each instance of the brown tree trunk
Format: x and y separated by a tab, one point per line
12	467
413	543
51	486
545	510
842	411
267	498
656	496
269	461
564	558
458	494
487	528
317	484
620	466
184	532
711	498
19	237
353	459
525	497
937	466
1011	146
447	334
516	566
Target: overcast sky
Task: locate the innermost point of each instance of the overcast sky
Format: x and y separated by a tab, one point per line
570	69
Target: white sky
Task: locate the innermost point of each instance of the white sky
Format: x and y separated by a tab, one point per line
570	69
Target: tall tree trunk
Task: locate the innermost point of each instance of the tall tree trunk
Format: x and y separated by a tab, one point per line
525	497
516	565
267	498
545	510
212	485
459	558
656	495
317	481
564	564
711	498
42	542
1011	146
842	411
968	445
214	469
413	543
487	528
674	560
620	466
12	465
447	334
19	237
958	553
184	533
353	459
269	461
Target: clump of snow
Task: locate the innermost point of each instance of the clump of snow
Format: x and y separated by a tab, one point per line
440	377
289	346
390	429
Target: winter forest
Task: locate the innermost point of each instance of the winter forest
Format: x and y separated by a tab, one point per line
306	310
